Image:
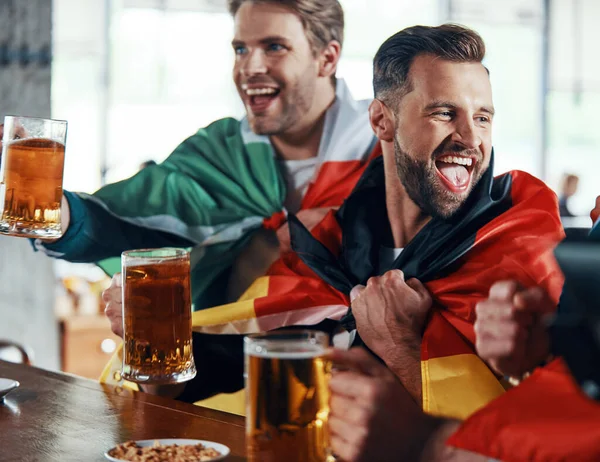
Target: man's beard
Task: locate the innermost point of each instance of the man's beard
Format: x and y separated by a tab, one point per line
294	103
424	187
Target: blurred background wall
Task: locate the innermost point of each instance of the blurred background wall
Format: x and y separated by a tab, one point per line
27	283
136	77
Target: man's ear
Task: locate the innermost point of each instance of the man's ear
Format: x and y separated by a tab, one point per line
329	58
382	120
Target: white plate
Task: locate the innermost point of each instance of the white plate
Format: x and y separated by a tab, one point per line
224	450
6	386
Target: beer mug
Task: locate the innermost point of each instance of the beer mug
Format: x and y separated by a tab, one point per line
287	397
33	157
157	316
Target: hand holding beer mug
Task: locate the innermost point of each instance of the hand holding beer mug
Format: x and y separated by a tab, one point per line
287	397
33	157
157	316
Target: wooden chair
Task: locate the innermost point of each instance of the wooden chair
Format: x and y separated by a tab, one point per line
9	348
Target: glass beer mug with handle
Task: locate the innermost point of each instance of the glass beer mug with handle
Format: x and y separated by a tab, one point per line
33	157
287	396
157	316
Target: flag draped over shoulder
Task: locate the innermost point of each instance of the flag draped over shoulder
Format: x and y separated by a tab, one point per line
222	184
545	418
506	231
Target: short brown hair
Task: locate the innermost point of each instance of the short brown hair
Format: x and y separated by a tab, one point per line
392	62
323	20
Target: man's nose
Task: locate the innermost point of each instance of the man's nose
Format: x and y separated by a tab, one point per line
254	63
467	134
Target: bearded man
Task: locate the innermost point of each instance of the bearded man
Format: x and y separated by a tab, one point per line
427	208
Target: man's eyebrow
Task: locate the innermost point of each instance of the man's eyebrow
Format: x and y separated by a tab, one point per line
490	110
264	40
449	105
273	38
438	104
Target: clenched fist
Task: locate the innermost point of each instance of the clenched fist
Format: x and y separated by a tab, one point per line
390	317
510	332
389	306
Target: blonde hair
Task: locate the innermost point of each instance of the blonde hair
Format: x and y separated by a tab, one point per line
323	20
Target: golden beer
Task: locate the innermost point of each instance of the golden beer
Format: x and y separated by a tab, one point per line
32	177
157	316
287	392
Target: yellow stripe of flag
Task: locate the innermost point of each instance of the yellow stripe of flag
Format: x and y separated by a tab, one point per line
456	386
242	309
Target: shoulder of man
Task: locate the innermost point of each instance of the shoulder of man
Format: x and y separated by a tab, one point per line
220	145
212	165
214	136
221	128
528	190
531	228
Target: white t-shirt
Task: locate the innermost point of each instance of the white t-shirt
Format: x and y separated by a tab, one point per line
298	175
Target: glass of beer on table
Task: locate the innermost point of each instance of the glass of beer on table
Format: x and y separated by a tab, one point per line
157	316
33	157
287	396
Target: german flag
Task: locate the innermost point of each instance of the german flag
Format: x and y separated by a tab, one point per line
506	230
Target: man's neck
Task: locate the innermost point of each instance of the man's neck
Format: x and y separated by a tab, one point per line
302	142
405	217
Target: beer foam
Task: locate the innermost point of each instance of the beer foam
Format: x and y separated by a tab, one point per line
152	257
286	351
149	261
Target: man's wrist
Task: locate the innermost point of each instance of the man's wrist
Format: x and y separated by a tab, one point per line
403	358
407	343
395	352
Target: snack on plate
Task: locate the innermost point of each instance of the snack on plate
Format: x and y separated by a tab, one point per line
130	451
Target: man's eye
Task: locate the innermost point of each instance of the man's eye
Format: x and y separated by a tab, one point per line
483	119
240	50
275	47
444	114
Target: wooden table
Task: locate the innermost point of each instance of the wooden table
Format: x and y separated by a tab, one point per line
59	417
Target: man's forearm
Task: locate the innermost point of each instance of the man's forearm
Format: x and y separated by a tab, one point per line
404	359
91	233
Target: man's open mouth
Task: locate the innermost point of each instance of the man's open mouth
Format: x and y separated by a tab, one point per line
259	98
456	171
